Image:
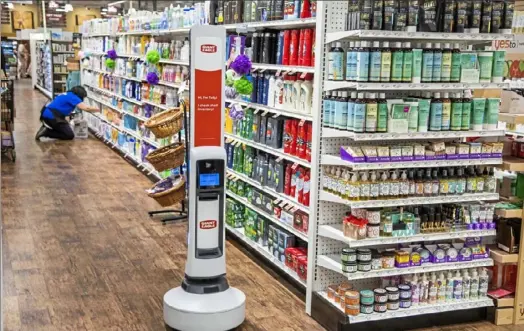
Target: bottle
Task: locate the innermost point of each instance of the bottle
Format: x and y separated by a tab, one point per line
374	186
456	112
384	192
329	179
490	185
435	182
457	286
474	287
471	181
334	100
424	290
371	113
428	184
397	62
441	288
416	221
365	186
446	63
385	70
305	99
461	182
446	112
452	181
466	285
354	187
346	186
351	65
394	186
184	52
420	187
450	283
337	182
363	62
437	63
407	64
404	185
444	182
341	111
415	291
433	289
382	117
427	63
466	111
455	64
359	119
479	180
351	111
412	183
336	62
435	116
375	62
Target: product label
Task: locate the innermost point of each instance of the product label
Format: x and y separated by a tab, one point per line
456	116
466	116
435	123
413	119
486	66
451	186
341	114
423	114
455	67
336	66
351	65
384	190
404	188
359	118
427	66
371	117
351	115
396	69
365	190
498	64
394	189
385	70
375	66
417	64
407	67
446	115
437	67
362	66
374	190
446	67
382	121
326	120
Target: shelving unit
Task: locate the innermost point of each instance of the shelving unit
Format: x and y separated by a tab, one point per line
44	71
61	49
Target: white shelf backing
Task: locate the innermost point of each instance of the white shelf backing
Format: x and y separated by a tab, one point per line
332	262
335	232
270	150
336	160
272	110
470	38
334	133
370	86
330	197
415	310
271	218
278	196
265	253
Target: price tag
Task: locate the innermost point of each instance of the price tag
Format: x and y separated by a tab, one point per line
280	158
301	123
257	110
278	73
303	75
276	201
294	166
282	204
262	70
294	209
265	113
276	115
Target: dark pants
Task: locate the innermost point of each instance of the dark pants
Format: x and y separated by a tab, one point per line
60	130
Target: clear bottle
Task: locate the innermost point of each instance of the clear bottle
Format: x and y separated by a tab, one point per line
345	187
433	289
365	186
461	182
491	182
444	182
450	282
466	285
374	186
435	182
354	187
404	185
384	186
474	287
480	180
338	182
394	186
417	221
441	288
412	183
446	112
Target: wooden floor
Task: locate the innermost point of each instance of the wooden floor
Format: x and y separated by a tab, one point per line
80	253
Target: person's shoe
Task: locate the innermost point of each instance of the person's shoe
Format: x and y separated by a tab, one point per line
40	132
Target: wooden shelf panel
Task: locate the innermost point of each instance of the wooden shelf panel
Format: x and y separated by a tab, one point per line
509	213
502	257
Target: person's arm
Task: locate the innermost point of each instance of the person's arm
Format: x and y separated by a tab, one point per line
83	106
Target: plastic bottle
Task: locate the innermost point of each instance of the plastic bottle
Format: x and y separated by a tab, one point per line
435	116
397	62
336	62
466	285
455	64
295	95
457	286
407	66
334	98
359	119
340	110
382	120
184	52
415	291
394	186
432	289
375	61
363	62
385	63
466	111
427	63
354	194
384	186
351	62
326	109
441	288
351	111
437	63
424	290
461	182
480	180
446	63
491	182
271	92
450	283
404	185
374	186
306	90
452	181
446	112
365	186
371	113
456	112
474	287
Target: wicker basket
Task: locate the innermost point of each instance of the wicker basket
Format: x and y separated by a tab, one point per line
168	157
170	197
166	123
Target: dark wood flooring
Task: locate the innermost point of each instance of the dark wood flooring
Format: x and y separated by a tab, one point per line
80	252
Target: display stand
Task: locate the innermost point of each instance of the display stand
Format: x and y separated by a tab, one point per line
61	50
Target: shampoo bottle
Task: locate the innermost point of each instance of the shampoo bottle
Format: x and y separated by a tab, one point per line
466	285
441	288
427	63
435	118
382	120
474	287
446	63
351	111
375	62
424	290
446	112
336	62
407	64
371	113
450	281
455	63
437	63
363	62
456	112
466	111
359	119
433	289
397	62
457	286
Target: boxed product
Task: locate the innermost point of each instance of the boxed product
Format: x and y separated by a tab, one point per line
301	221
285	240
512	102
251	225
262	230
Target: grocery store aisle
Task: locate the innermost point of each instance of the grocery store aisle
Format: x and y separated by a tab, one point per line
80	252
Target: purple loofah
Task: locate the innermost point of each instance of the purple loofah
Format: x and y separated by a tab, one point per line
236	112
152	78
241	65
111	54
230	92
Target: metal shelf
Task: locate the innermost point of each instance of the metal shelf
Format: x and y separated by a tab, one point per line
335	232
239	233
271	218
279	197
276	152
179	62
415	310
280	24
114	94
336	160
334	133
370	86
276	111
330	197
284	68
332	262
426	36
130	132
142	118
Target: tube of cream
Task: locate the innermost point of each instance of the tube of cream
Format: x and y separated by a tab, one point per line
423	114
479	106
491	115
498	66
486	66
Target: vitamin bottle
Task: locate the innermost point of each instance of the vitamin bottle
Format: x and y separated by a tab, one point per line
359	118
407	63
455	64
371	113
446	112
435	116
385	71
437	63
363	62
375	62
336	62
446	63
397	62
427	63
456	112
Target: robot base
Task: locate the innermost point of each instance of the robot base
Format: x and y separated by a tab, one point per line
204	312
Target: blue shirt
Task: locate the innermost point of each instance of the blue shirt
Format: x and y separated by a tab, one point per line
64	104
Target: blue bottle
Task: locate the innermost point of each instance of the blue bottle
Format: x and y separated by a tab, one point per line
359	114
326	109
351	111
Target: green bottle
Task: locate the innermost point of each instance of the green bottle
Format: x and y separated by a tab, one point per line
456	112
397	62
455	63
407	66
466	112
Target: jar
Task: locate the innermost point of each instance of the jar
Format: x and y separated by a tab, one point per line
373	230
349	255
406	303
388	260
342	301
405	291
352	310
386	226
352	298
401	259
393	293
332	290
380	307
366	297
381	295
364	255
393	305
343	288
376	262
373	217
349	267
366	309
364	266
337	298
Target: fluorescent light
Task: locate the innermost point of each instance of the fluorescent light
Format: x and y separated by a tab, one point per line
10	5
112	9
104	9
115	3
68	7
60	9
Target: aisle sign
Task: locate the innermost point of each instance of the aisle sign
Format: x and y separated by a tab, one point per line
207	85
514	66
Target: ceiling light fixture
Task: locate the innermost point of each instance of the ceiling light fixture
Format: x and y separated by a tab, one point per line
10	5
115	3
68	7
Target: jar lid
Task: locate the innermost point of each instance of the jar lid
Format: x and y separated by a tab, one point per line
366	293
348	250
405	300
352	294
379	291
353	306
388	254
333	287
393	301
392	289
369	306
364	251
349	263
404	287
364	262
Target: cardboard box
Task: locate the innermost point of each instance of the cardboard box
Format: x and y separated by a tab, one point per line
511	102
503	316
508	235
